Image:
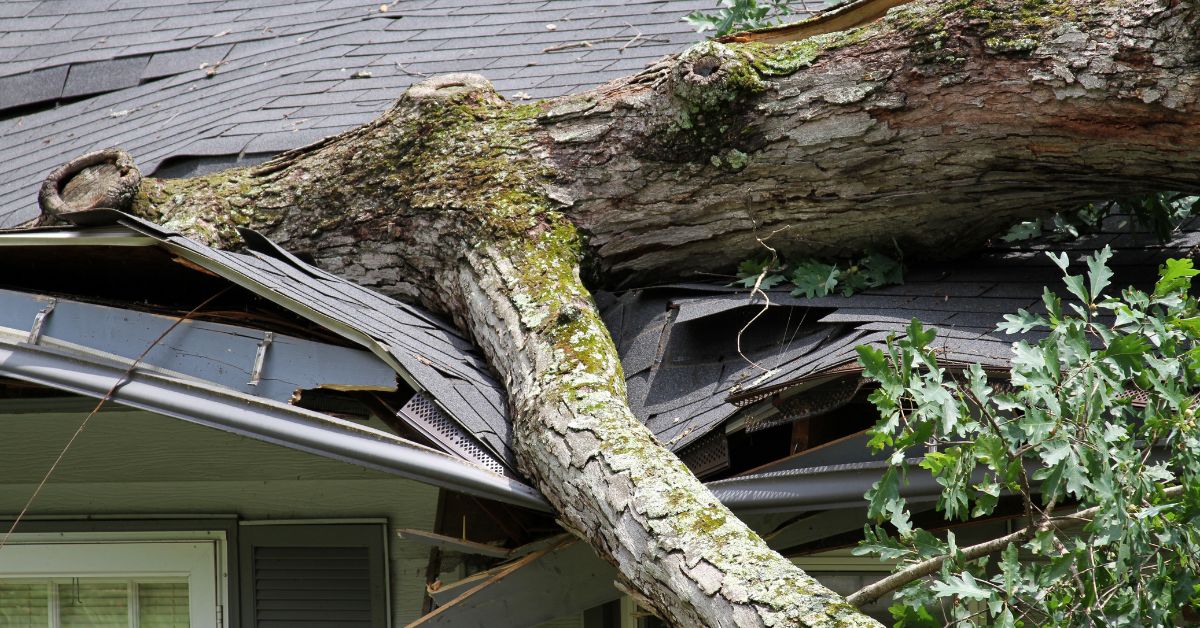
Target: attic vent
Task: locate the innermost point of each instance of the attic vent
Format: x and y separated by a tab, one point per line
315	576
709	455
810	403
423	415
320	586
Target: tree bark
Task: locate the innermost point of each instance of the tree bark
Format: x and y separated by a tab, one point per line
933	128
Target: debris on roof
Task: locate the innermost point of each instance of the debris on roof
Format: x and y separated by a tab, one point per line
698	357
458	405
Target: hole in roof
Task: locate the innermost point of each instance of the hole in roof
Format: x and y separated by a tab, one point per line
715	337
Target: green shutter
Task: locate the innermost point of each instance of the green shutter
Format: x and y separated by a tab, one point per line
313	576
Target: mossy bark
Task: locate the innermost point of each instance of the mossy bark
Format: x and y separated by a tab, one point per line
917	129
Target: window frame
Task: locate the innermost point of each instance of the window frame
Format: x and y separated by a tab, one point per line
219	533
117	557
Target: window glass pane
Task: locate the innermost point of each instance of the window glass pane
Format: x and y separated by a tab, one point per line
163	605
84	604
24	605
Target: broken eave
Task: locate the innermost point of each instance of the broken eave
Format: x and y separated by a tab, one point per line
258	418
459	405
250	361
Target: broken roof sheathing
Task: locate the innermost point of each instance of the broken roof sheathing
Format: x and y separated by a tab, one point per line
679	344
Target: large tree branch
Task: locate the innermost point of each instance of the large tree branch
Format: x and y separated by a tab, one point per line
935	127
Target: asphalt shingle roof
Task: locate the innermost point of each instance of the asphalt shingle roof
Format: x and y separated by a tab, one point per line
283	73
686	375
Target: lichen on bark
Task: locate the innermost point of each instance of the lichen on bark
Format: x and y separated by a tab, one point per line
456	159
484	210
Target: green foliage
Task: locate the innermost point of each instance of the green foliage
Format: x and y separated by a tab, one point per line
1066	436
739	15
813	278
1158	212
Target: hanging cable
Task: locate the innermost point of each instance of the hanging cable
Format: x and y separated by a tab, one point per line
100	404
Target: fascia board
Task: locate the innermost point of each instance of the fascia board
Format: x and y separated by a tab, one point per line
312	314
115	235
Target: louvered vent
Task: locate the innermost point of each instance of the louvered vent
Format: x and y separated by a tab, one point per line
424	416
810	403
314	587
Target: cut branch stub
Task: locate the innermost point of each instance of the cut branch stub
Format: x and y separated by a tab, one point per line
102	179
446	87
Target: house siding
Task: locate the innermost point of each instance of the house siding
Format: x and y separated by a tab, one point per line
131	464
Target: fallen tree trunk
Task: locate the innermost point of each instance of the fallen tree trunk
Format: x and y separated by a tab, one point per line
933	128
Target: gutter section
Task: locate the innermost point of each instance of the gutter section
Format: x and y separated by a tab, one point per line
261	419
818	488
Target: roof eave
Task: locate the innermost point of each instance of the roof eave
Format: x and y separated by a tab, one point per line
261	419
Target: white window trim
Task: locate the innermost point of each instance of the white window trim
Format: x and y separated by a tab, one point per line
198	557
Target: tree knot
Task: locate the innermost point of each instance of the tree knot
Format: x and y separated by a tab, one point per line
711	77
452	88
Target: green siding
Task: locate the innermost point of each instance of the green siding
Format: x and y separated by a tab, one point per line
131	463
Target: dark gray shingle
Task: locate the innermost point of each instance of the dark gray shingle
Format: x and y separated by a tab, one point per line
104	76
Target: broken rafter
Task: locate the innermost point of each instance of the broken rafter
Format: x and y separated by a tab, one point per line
451	544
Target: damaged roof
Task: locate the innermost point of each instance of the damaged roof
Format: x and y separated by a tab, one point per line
463	406
687	375
191	86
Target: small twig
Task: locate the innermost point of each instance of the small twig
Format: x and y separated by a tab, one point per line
588	43
400	66
637	37
757	289
100	404
578	44
874	591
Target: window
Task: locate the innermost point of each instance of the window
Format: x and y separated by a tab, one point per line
94	602
102	581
